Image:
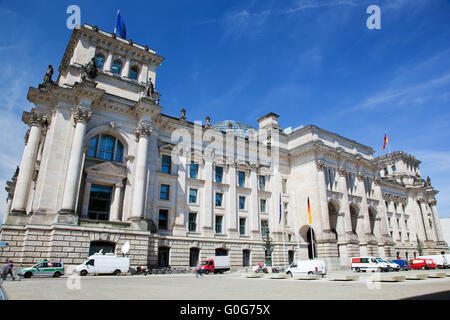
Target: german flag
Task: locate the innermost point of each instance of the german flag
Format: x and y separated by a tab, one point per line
309	213
385	140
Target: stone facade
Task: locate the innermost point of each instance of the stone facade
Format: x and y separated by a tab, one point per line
94	175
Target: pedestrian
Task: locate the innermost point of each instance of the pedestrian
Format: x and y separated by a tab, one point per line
198	271
9	266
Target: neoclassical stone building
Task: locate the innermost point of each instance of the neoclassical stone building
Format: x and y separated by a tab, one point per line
103	165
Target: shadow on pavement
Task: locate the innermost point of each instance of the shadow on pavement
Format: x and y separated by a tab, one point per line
443	295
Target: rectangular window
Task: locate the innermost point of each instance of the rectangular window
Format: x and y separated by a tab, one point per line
193	170
193	195
219	174
241	203
192	221
262	205
242	230
284	185
164	192
264	227
262	183
219	198
163	217
166	163
219	220
99	202
241	179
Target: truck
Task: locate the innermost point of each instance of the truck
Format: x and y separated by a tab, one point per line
442	261
217	264
107	263
369	264
307	267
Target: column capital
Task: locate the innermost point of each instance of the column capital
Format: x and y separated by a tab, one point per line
143	129
421	200
342	171
320	165
37	119
360	176
432	202
81	115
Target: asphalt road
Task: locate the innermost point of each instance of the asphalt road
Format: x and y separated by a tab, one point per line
225	287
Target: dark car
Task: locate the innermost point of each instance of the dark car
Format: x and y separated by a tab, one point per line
404	265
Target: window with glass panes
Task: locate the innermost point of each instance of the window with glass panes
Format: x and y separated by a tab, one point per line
242	226
105	147
219	198
219	221
99	202
193	170
264	227
241	179
162	220
193	195
116	67
166	163
262	183
241	203
192	221
164	192
262	205
99	61
219	174
284	185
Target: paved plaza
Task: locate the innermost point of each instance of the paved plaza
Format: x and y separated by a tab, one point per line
231	286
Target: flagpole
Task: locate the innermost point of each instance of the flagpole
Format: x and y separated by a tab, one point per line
312	241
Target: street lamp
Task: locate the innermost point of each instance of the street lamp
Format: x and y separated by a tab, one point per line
268	248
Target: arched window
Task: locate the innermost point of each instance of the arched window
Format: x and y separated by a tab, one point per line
116	67
99	60
106	147
134	71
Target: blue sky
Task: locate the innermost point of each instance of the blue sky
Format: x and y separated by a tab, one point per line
312	62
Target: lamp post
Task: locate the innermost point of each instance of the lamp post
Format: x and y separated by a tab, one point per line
268	248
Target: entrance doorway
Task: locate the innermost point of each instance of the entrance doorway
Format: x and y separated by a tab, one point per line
163	256
103	246
311	237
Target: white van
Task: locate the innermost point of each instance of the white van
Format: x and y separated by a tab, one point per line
104	264
392	265
369	264
307	267
441	260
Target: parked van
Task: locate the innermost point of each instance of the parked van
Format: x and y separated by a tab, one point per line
307	267
423	264
441	261
104	264
369	264
218	264
402	263
392	265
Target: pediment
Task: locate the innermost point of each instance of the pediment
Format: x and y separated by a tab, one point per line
107	169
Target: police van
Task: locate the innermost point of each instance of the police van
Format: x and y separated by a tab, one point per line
44	268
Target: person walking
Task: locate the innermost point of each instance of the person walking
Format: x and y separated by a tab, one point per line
9	266
198	271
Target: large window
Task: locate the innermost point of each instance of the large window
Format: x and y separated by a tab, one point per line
219	174
264	227
262	205
242	226
241	179
99	202
163	217
134	71
164	192
116	67
262	183
106	147
219	198
166	163
99	61
241	203
193	195
193	170
219	221
192	222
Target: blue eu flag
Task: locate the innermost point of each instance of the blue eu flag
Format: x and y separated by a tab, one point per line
120	29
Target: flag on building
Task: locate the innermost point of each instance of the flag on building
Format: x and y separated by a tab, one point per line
309	213
120	28
385	140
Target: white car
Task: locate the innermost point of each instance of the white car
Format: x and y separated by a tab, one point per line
393	266
302	267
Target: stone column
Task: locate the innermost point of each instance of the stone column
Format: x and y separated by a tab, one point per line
323	198
364	213
345	203
254	205
437	222
27	165
115	208
181	215
233	212
423	208
382	211
430	217
142	133
126	68
208	199
81	117
108	62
